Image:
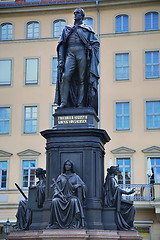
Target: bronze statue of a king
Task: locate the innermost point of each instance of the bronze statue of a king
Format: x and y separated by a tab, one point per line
78	58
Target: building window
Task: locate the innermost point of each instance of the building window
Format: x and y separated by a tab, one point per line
153	115
151	21
58	26
32	66
3	174
88	21
29	168
54	77
155	165
32	30
122	66
152	64
124	176
54	107
4	120
122	116
121	23
5	72
6	31
30	119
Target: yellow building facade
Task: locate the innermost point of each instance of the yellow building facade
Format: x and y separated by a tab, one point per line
129	95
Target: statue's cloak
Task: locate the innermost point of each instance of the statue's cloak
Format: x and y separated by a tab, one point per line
125	211
91	43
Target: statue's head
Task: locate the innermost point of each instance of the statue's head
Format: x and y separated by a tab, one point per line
40	172
68	165
79	14
113	170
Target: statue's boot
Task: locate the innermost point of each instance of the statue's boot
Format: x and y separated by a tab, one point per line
81	95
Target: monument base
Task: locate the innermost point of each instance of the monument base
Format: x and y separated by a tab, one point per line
78	234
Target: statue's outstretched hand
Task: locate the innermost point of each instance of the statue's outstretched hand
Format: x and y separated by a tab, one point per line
132	191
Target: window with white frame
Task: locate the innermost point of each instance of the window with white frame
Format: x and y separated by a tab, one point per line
58	26
3	175
32	67
121	23
88	21
30	119
28	169
32	30
151	21
4	120
6	31
124	176
122	66
54	67
54	107
152	64
155	165
5	72
122	116
153	114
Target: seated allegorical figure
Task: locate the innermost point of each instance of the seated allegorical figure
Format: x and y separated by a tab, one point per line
24	215
125	211
68	195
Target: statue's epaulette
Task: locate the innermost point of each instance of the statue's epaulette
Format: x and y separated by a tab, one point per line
69	26
89	28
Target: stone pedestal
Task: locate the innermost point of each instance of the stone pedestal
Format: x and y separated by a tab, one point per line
74	235
76	137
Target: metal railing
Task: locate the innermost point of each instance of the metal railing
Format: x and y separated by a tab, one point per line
143	192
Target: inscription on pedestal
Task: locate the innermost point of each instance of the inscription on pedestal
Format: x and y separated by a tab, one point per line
78	119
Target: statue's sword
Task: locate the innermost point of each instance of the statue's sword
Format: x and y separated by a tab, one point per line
21	191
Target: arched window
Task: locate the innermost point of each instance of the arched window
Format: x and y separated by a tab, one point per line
6	31
58	26
151	21
32	30
88	21
121	23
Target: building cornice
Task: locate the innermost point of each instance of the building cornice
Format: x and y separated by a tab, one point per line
21	6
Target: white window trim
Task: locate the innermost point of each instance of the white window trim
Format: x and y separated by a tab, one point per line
26	158
5	156
38	111
50	118
51	70
52	24
38	74
114	22
151	152
93	18
12	74
130	115
10	120
25	29
13	29
150	11
144	64
131	162
145	113
114	66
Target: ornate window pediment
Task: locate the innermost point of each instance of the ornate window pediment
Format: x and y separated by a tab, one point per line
123	150
153	149
5	154
29	152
